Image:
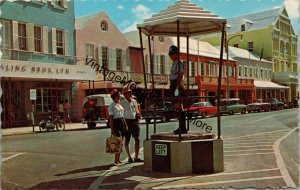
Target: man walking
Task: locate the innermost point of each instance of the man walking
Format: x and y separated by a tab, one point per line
132	116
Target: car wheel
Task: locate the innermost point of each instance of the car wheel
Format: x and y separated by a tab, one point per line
243	111
231	112
163	119
147	120
168	119
204	115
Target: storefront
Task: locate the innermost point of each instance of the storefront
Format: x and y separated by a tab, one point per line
35	86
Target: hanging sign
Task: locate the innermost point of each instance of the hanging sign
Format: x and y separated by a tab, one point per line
32	94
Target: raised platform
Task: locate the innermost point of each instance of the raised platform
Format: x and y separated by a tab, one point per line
197	152
184	137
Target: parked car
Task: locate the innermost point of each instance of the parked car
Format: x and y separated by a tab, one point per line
258	106
275	104
164	113
231	106
202	109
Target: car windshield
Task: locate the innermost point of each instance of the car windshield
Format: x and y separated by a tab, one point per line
198	104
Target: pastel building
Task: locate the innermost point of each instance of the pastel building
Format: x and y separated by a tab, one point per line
250	66
270	34
99	42
203	67
37	63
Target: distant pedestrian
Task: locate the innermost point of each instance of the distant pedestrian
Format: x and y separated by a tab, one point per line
61	111
132	117
67	109
116	120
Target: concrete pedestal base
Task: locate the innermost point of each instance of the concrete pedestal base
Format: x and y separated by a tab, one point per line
201	154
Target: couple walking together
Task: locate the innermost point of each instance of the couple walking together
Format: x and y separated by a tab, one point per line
124	122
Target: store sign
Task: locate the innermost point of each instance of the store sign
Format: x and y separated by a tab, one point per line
32	94
41	70
161	149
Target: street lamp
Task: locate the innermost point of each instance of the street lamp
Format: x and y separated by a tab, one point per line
227	68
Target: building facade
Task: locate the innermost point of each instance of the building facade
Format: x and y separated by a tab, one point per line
250	66
99	43
38	64
271	35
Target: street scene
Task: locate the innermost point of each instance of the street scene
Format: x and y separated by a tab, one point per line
55	160
154	94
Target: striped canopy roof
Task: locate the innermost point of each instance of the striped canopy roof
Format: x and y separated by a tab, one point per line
193	20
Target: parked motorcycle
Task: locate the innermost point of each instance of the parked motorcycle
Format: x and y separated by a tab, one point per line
51	124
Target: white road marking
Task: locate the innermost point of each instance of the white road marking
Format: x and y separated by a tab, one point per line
216	182
10	157
245	143
256	146
107	173
248	154
247	150
280	162
251	121
281	130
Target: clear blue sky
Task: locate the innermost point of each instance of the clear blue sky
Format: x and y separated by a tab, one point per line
127	13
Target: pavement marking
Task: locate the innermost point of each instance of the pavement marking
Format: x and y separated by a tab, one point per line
251	121
245	143
280	130
280	162
10	157
216	182
247	150
101	178
248	154
270	145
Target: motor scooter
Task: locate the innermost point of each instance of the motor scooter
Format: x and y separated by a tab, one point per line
50	124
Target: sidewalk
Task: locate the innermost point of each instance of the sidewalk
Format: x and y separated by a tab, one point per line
29	129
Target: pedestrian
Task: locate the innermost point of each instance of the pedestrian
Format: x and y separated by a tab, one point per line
67	109
176	77
132	117
61	111
116	120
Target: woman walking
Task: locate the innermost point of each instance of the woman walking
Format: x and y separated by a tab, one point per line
116	120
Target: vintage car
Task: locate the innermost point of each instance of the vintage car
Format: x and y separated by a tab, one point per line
202	109
275	104
231	106
164	112
258	106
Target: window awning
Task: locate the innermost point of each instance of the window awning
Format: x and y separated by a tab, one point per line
268	85
41	70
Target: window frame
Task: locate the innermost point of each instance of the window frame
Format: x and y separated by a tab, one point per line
38	41
104	56
118	59
104	25
59	42
22	36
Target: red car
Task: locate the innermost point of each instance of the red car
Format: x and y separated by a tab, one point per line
202	109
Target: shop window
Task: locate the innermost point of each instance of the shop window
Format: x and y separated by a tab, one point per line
47	99
250	46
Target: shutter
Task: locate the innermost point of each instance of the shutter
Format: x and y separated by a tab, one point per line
158	65
45	39
15	35
100	56
190	68
66	43
166	65
65	4
30	36
53	40
123	60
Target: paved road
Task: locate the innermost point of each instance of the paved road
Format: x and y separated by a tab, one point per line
76	159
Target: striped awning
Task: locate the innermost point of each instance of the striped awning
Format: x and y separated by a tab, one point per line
193	20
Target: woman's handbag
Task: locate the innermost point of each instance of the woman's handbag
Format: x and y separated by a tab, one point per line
113	145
